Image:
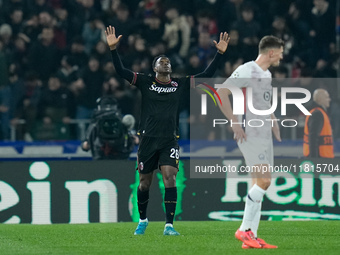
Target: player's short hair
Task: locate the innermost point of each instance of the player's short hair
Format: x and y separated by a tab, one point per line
156	58
270	42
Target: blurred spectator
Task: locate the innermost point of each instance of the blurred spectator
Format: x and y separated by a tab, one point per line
79	12
113	88
234	53
19	54
27	106
68	72
6	37
9	98
16	20
325	69
193	30
77	86
235	45
16	88
44	56
108	68
148	8
280	29
206	23
153	29
123	23
111	8
323	28
48	20
205	49
230	67
37	6
249	31
77	52
31	27
56	108
92	33
194	64
62	27
7	6
176	33
101	51
138	55
228	11
93	79
157	49
300	28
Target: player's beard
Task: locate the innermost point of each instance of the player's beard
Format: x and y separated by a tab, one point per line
165	72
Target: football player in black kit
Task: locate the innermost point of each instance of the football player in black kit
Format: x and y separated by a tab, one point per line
159	125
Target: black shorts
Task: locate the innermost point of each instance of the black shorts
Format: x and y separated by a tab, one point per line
154	152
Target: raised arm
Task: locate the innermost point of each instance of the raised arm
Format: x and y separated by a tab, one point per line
221	47
112	42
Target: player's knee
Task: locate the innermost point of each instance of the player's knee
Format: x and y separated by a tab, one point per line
169	180
144	185
264	183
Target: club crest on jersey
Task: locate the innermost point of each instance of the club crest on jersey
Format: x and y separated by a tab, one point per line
236	75
261	156
141	166
175	84
266	96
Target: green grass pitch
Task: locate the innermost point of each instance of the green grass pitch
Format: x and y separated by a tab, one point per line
204	237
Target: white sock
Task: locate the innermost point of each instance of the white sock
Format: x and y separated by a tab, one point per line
253	205
256	221
145	220
168	225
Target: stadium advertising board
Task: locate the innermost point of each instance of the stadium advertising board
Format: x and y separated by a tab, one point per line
308	191
64	192
105	191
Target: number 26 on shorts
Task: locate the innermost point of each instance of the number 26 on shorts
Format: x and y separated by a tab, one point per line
174	153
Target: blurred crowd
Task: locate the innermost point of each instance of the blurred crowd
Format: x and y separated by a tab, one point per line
54	61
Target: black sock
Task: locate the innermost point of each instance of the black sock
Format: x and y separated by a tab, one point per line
143	199
170	201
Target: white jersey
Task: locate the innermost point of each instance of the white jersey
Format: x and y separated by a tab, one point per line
251	75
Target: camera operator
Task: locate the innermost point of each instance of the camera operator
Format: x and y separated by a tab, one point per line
109	135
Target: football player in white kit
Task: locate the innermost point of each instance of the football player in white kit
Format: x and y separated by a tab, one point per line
255	143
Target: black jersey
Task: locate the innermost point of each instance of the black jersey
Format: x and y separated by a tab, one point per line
160	102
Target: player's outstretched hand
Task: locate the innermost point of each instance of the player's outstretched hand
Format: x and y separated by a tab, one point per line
239	134
222	45
111	38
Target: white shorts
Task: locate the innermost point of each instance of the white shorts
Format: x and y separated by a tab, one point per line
257	151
